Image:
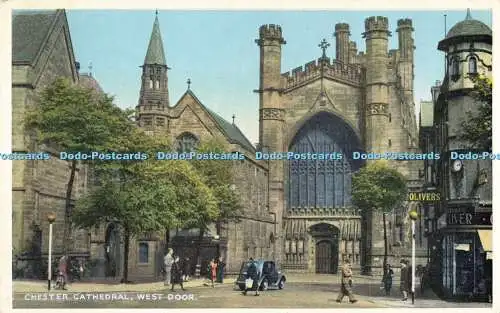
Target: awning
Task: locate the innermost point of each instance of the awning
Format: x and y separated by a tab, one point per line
485	235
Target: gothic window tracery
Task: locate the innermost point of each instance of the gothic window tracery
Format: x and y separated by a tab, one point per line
322	183
187	142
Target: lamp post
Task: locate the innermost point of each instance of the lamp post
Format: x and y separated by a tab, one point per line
413	216
51	217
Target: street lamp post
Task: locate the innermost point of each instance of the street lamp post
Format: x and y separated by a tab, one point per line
51	217
413	216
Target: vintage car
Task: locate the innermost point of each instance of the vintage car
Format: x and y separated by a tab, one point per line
270	276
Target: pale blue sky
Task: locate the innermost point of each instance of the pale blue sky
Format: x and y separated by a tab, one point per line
216	50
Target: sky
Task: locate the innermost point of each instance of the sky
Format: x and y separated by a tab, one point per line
217	51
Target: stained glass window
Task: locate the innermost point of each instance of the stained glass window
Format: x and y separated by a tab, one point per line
322	183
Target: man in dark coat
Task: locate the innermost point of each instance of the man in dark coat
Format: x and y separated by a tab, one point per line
220	270
406	279
346	283
176	274
254	275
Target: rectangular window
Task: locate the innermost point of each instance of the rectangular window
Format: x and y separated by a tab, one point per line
160	121
147	121
143	252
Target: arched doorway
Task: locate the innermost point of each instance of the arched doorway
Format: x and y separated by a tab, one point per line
113	251
326	239
317	183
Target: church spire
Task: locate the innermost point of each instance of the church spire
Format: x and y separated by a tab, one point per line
155	54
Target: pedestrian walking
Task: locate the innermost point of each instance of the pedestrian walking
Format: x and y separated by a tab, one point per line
405	280
253	275
63	271
186	269
167	262
220	270
387	279
346	283
213	272
176	274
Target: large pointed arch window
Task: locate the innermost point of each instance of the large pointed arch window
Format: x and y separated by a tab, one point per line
187	142
319	183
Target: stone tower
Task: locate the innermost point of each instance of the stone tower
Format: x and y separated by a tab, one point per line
342	45
377	119
405	65
154	99
377	83
272	115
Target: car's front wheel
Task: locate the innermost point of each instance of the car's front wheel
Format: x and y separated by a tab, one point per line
281	284
265	285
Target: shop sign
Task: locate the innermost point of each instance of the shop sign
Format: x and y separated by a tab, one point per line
464	217
424	196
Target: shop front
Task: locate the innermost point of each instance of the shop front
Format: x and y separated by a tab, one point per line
461	255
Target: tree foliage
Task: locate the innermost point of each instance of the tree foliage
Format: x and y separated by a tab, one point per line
219	177
377	186
73	118
477	127
159	196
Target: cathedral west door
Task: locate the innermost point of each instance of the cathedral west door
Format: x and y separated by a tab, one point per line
319	189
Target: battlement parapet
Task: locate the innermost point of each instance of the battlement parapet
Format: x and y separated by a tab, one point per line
341	28
376	23
352	45
271	31
350	73
405	23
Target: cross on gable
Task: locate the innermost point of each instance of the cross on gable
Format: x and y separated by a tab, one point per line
189	83
324	45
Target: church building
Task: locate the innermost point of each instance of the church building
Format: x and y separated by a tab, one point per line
300	212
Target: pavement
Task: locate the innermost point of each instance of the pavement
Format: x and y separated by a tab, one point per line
301	291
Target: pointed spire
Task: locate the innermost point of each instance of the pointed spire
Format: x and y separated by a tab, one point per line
468	16
155	54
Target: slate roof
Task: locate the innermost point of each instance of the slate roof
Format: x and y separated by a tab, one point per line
232	132
155	53
90	82
30	30
469	27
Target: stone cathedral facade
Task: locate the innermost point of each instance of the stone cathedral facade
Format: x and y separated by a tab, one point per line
300	212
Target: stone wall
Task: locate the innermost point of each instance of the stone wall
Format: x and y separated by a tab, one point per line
39	187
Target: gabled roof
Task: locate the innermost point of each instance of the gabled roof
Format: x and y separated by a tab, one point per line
231	131
155	53
30	30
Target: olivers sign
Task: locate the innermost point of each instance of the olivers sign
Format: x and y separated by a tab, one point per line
424	196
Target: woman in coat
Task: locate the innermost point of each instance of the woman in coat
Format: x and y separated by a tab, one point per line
176	274
213	271
387	279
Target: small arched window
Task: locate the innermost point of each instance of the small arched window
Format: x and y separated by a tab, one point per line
472	65
143	252
157	84
455	68
151	82
187	142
